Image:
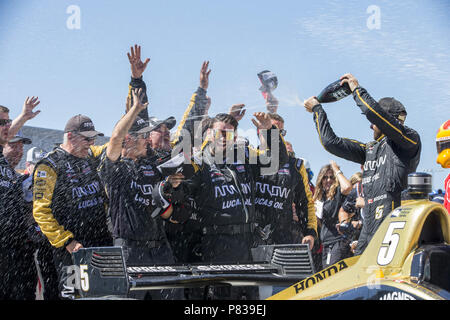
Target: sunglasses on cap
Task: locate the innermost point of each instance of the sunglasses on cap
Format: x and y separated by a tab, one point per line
227	134
4	122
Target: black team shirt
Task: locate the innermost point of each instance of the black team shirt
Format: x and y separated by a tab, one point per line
129	186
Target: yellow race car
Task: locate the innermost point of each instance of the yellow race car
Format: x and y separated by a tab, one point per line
407	259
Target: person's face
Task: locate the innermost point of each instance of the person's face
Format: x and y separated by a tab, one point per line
13	152
160	138
278	124
222	135
136	145
81	144
328	180
289	147
4	128
376	132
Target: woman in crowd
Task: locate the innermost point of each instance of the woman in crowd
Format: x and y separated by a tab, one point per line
331	189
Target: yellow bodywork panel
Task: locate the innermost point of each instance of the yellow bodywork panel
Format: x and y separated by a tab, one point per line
386	260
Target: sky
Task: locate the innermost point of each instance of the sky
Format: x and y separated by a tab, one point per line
77	63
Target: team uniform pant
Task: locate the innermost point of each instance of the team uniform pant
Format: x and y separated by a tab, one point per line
47	273
18	272
335	252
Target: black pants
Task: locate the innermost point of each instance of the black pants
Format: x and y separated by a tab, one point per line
18	273
227	248
46	268
335	252
185	243
142	253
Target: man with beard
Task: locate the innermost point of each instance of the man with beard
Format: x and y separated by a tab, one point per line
223	189
394	153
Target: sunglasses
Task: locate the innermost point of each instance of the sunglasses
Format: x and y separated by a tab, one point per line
328	177
227	134
88	139
5	122
144	135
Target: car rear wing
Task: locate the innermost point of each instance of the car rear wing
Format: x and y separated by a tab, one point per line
102	271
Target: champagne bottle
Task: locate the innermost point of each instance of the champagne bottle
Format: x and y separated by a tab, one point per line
334	92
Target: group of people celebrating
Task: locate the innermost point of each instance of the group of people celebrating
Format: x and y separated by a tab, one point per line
169	200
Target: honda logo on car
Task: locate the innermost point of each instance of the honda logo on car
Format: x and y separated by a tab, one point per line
319	276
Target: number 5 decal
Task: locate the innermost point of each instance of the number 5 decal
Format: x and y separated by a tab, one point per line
84	277
390	242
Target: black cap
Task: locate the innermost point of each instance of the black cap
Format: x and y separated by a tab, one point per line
139	126
19	137
154	123
82	125
393	107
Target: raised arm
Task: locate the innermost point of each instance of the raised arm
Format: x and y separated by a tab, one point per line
341	147
114	148
197	109
137	69
26	114
404	137
344	183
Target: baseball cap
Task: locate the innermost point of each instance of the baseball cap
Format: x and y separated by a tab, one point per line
35	154
139	126
393	107
82	125
154	123
19	137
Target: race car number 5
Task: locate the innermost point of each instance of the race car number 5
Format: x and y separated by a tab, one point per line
390	243
84	277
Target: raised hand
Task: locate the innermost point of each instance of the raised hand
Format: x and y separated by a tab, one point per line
351	80
262	121
237	111
334	166
310	103
28	106
137	66
137	99
204	75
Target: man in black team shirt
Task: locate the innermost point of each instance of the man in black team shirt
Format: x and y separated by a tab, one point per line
387	161
69	200
18	277
129	176
223	189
